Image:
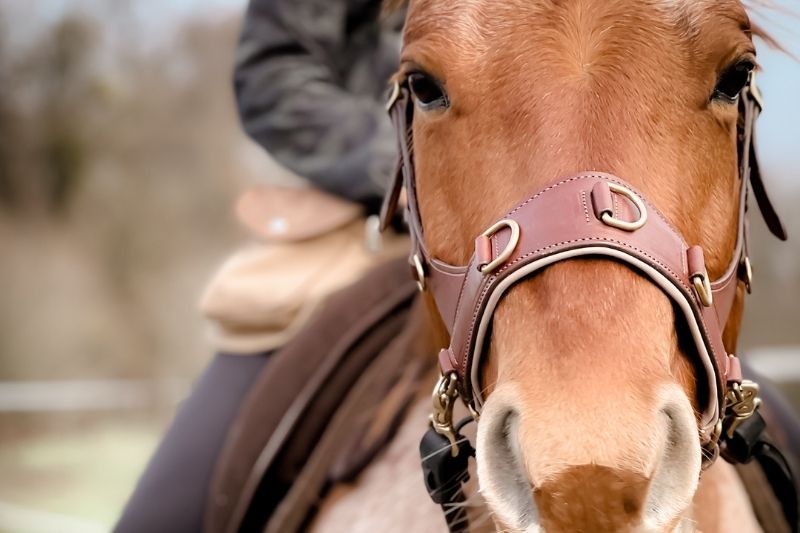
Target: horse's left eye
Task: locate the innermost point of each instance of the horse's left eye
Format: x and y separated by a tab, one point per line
428	92
732	81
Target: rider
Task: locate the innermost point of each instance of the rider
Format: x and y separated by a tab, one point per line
310	82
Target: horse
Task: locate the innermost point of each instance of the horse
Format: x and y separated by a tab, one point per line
600	394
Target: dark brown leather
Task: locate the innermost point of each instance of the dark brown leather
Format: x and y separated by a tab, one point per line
346	445
392	198
750	108
565	220
291	404
765	504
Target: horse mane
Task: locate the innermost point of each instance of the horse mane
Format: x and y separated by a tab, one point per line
764	9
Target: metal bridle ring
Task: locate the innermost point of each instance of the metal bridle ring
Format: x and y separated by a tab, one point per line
393	96
510	247
610	220
419	272
703	287
748	274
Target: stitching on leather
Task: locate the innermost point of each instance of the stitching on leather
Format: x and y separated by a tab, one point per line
585	208
606	178
489	281
722	284
460	296
551	187
597	239
685	261
468	348
466	351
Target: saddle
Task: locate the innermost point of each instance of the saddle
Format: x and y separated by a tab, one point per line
324	406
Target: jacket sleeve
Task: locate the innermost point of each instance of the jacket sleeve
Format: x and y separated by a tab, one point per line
293	103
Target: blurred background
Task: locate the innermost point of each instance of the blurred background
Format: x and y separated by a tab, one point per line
120	158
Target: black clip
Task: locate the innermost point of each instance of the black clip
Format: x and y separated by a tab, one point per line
444	473
743	444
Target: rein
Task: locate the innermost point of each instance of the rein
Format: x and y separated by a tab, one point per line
589	214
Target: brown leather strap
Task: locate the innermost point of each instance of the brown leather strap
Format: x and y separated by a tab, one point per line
765	205
392	199
750	107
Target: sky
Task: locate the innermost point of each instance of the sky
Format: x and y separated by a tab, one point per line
778	129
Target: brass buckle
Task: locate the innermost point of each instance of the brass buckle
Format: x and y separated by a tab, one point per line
444	396
741	401
703	287
510	247
610	220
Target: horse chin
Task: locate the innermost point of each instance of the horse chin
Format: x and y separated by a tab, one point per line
534	483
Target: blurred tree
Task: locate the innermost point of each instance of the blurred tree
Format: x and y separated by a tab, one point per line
8	119
130	130
67	85
47	93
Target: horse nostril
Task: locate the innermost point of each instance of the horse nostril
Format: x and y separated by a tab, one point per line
676	475
502	475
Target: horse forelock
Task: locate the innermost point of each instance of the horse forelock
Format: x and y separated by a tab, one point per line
756	8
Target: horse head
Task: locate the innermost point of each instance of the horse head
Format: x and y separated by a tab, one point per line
592	395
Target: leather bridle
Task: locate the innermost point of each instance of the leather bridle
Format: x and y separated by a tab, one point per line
588	214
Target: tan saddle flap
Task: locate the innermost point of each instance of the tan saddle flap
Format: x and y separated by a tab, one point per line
308	245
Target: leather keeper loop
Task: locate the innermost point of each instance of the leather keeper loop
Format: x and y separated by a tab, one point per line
446	361
602	202
483	250
699	276
696	262
734	374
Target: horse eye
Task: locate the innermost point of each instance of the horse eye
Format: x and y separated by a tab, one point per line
427	92
732	81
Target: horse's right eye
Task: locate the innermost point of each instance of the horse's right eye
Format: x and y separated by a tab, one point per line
427	92
732	81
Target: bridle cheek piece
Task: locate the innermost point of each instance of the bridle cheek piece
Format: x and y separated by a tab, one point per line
589	214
